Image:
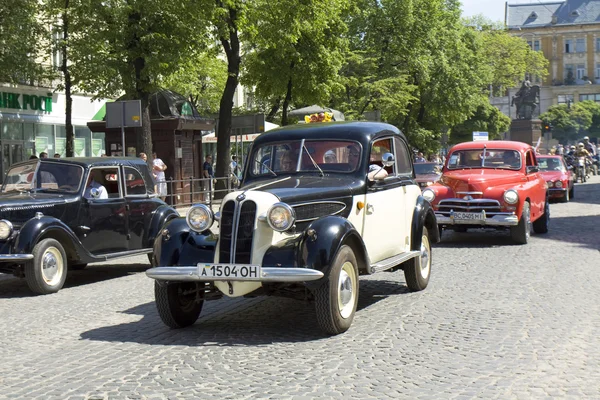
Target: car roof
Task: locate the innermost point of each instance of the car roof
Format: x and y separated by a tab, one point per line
93	161
360	131
492	144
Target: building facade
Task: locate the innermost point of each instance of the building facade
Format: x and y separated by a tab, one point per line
568	34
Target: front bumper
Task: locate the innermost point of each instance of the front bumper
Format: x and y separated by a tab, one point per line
499	219
15	257
268	274
557	192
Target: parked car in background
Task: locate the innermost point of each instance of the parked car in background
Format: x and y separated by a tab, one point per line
61	214
491	184
427	173
319	205
558	176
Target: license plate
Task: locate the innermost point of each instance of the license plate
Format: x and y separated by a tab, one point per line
465	216
229	271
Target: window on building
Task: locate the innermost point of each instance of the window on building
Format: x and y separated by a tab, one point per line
580	71
568	46
536	45
580	45
569	69
565	98
597	44
597	71
593	97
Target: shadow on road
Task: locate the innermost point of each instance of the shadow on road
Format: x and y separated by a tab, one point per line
581	230
476	238
238	322
11	286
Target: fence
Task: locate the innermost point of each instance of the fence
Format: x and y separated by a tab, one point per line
185	192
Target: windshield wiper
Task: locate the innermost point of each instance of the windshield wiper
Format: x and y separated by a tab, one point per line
313	161
266	166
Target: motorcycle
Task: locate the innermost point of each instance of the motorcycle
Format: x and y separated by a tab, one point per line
581	170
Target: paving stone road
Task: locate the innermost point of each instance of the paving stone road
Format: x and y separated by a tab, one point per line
497	321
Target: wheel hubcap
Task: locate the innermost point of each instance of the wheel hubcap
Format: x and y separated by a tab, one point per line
346	290
52	266
425	257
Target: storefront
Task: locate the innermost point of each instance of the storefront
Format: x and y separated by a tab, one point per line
32	121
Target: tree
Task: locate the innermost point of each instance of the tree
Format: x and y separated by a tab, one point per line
132	46
567	122
487	118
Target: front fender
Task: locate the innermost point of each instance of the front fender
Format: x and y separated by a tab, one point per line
423	215
317	246
176	244
160	216
36	228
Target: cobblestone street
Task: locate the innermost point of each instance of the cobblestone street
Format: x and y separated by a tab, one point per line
497	321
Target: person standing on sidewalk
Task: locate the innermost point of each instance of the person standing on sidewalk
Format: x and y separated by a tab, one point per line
159	167
208	175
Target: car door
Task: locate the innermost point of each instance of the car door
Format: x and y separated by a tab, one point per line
383	229
104	227
139	207
537	186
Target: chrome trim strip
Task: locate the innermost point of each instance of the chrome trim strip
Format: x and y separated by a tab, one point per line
268	274
470	193
393	261
19	208
123	254
499	219
16	257
235	220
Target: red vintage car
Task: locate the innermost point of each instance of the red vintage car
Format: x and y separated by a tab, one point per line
558	177
491	184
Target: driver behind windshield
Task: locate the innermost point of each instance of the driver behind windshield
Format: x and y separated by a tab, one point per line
287	162
510	159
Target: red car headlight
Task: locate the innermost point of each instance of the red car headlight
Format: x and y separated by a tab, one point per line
558	184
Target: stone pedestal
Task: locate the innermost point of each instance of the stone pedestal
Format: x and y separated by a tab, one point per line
526	131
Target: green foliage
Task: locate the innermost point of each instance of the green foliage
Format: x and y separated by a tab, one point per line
568	124
487	118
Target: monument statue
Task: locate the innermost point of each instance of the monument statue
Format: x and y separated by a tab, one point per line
526	100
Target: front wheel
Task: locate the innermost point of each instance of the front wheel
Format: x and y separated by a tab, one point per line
572	192
337	297
418	270
47	272
178	304
520	233
541	224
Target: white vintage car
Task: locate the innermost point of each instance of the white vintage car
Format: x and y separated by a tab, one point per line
319	205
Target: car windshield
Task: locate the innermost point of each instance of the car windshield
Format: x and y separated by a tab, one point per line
427	168
43	176
493	158
551	164
314	155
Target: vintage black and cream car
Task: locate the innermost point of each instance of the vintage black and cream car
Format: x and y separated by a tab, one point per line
319	205
61	214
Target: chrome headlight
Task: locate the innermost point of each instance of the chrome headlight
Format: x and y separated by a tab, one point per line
558	184
281	217
550	184
6	229
199	218
511	196
428	195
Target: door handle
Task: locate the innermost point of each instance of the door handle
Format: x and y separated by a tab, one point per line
370	209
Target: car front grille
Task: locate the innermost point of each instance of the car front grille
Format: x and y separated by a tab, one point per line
312	211
236	232
474	206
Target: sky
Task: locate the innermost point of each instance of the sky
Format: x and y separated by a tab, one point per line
493	9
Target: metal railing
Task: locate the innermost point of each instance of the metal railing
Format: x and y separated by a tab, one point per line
185	192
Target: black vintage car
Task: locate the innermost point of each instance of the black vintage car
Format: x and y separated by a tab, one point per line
60	214
319	205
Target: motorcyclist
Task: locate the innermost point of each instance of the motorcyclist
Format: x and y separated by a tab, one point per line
589	146
581	151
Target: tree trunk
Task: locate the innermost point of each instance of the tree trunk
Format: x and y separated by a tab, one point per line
274	108
288	98
67	80
231	45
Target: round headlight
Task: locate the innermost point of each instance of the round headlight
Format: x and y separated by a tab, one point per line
550	184
6	229
199	218
281	217
428	195
558	184
511	196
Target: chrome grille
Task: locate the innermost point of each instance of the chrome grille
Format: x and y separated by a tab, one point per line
312	211
474	206
236	232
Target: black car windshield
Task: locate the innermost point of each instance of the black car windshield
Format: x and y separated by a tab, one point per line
495	158
290	157
551	164
427	168
47	177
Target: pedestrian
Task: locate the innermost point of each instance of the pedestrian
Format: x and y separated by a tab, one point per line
234	172
419	158
208	175
43	154
159	167
56	155
143	156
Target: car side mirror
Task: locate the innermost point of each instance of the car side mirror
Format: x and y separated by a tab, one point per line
532	169
388	160
95	193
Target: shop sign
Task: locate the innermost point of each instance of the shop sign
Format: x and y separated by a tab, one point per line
22	101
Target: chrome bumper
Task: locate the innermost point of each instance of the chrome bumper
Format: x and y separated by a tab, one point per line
557	190
15	257
503	219
268	274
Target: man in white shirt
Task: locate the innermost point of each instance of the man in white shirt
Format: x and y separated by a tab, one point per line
92	184
158	168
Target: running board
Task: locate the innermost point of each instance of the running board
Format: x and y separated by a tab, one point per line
393	261
111	256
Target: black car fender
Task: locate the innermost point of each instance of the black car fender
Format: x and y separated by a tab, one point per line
37	229
317	247
160	216
176	244
423	215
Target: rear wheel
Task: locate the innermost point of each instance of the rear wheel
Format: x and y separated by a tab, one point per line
418	270
520	233
178	304
47	272
336	299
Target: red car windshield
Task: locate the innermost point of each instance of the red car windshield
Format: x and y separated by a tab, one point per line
551	164
496	158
